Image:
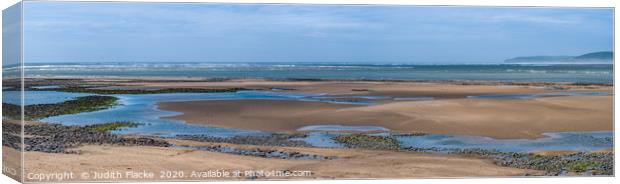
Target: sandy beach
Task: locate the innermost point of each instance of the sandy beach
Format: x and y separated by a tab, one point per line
355	163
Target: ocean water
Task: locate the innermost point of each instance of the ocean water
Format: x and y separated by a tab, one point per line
595	73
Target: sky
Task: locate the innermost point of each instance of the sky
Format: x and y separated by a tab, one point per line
172	32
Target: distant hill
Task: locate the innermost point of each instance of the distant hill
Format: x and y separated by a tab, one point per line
589	58
597	55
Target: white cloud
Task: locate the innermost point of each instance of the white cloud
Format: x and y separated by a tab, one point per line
541	19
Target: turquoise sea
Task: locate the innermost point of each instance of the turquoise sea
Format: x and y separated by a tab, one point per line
582	73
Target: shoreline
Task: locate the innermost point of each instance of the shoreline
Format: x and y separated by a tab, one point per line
221	79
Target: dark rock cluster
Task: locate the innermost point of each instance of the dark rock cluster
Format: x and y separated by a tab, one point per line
269	140
78	105
554	165
11	140
583	163
11	135
368	141
16	84
54	138
263	153
409	134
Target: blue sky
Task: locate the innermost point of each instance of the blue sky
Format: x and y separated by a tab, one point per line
140	32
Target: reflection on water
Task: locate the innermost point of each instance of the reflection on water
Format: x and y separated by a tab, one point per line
321	139
342	128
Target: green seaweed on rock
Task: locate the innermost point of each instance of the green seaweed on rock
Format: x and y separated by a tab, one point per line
77	105
368	141
106	127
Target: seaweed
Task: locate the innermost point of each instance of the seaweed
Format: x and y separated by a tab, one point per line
106	127
368	141
78	105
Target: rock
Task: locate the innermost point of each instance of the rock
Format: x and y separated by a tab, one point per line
270	140
263	153
54	138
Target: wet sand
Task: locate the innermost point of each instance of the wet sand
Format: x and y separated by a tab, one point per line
497	118
354	163
437	89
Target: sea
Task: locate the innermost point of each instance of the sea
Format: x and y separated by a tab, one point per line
577	73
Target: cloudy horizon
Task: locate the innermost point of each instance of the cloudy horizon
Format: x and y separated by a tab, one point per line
212	32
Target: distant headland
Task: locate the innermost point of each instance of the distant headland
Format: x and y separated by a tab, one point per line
603	57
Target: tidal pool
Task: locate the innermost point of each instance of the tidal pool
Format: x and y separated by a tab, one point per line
39	97
571	141
537	95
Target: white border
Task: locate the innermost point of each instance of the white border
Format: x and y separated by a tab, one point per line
555	3
564	3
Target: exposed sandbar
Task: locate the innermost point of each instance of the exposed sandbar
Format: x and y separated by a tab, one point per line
482	117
